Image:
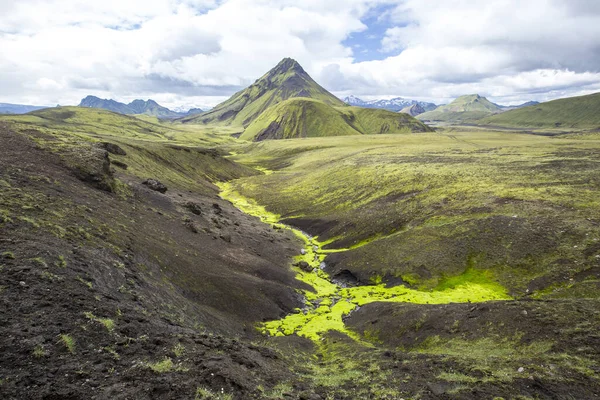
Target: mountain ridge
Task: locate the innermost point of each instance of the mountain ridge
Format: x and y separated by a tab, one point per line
136	107
9	108
396	104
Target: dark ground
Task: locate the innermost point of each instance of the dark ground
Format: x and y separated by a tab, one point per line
110	290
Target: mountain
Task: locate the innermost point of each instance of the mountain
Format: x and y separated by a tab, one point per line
304	117
7	108
463	109
149	107
395	104
573	112
287	80
413	110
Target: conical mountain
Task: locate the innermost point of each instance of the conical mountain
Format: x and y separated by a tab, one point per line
287	80
467	108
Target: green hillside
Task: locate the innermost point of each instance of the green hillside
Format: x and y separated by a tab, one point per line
302	117
574	112
286	80
464	109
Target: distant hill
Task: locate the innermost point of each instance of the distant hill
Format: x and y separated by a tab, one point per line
527	104
7	108
574	112
304	117
464	109
413	110
149	107
287	80
395	104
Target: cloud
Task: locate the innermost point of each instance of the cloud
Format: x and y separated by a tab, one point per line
189	50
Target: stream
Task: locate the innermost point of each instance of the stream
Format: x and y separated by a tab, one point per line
328	303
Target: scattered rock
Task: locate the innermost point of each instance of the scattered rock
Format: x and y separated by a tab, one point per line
303	251
304	266
155	185
192	207
520	370
90	164
217	208
190	225
226	238
119	164
112	148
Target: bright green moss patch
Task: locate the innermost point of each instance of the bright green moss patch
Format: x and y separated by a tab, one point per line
327	302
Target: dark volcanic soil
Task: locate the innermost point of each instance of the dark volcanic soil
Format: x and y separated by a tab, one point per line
112	290
175	286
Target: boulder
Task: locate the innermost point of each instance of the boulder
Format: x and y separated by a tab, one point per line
192	207
112	148
155	185
304	266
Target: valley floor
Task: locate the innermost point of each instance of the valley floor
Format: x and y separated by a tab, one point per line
449	265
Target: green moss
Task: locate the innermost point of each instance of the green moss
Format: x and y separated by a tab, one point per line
328	303
9	255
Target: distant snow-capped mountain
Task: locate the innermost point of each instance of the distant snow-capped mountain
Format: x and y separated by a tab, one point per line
395	104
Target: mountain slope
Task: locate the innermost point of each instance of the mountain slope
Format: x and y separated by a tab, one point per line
136	107
463	109
413	110
285	81
574	112
7	108
395	104
303	117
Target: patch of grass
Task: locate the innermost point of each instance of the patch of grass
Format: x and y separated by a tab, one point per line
203	393
86	283
40	261
68	342
62	262
50	276
178	350
165	365
279	391
108	323
39	351
9	255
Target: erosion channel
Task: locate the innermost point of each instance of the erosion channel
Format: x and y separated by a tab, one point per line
328	302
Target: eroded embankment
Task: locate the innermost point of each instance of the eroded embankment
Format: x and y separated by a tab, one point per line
328	303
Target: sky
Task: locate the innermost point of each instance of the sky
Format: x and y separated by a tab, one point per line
196	53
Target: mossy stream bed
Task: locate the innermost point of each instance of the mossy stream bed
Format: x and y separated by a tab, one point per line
328	303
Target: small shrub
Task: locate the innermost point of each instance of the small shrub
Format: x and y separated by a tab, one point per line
178	350
69	342
39	352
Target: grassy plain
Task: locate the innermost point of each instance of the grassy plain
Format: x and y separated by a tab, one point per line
420	208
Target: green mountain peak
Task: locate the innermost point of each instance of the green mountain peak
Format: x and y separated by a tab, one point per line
284	81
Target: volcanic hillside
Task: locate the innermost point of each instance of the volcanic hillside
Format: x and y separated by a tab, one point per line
287	103
574	112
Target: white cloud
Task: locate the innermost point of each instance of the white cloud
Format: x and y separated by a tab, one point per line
179	51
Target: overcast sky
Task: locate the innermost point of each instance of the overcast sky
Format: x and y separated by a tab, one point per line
199	52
